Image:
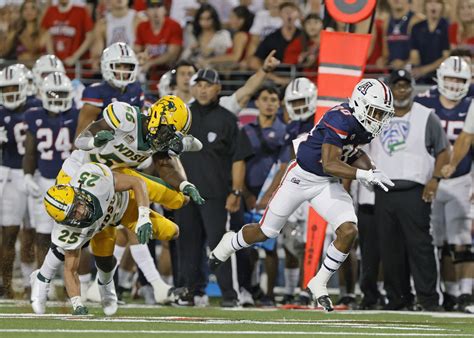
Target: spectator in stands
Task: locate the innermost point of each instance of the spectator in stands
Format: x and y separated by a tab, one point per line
240	21
68	30
23	40
279	40
118	25
266	21
183	11
396	38
429	43
304	50
158	40
207	39
461	33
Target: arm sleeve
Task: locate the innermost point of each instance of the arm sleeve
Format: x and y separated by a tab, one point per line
88	23
336	128
435	137
47	19
230	103
284	155
263	49
176	35
445	37
91	95
413	38
139	35
469	123
256	28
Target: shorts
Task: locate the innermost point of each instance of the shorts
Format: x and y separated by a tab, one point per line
450	212
325	194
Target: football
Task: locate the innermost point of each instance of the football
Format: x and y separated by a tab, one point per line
363	162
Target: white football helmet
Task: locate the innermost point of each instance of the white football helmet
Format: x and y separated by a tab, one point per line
298	90
45	65
117	54
56	93
164	86
30	88
13	85
456	67
372	101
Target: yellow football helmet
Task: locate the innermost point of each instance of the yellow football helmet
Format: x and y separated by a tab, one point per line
71	206
168	117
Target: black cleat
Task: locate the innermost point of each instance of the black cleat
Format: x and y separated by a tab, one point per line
180	296
214	263
81	311
326	303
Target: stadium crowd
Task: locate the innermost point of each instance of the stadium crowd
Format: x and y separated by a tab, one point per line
138	52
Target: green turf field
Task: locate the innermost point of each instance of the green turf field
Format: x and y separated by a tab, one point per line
16	320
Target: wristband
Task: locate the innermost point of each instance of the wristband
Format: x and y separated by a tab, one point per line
362	174
143	213
236	192
183	184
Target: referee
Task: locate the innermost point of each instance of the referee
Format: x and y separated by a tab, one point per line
411	151
218	171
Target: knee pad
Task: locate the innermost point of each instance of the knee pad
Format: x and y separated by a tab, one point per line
105	264
58	252
464	255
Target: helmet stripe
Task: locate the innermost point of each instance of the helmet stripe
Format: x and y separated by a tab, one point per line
55	203
112	117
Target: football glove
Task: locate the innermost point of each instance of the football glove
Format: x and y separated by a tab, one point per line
102	138
190	190
31	187
3	135
374	177
190	143
144	228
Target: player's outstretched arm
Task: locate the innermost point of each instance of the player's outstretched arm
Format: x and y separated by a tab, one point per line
87	115
71	280
94	135
460	149
143	229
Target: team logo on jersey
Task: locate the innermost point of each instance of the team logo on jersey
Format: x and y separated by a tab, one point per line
363	88
394	138
211	136
129	139
39	122
7	119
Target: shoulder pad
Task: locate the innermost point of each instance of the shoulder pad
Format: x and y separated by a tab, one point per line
120	119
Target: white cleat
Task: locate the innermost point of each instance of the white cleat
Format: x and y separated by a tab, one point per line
222	251
93	294
109	298
319	294
39	293
171	294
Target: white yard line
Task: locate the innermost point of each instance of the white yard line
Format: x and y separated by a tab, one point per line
213	332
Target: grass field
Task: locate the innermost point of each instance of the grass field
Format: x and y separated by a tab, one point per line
16	320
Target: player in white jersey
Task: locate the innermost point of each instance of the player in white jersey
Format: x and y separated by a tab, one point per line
95	200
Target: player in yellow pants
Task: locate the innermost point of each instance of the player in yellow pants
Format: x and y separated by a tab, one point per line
103	243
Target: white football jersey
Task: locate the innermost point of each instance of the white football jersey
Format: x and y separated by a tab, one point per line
98	180
127	149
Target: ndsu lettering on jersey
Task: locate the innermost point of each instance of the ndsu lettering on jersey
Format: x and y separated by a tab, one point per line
337	127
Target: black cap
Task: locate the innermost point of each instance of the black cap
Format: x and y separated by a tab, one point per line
155	3
208	74
399	75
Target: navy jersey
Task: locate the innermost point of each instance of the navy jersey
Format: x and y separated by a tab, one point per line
452	121
13	121
434	91
102	93
296	128
337	127
398	38
54	137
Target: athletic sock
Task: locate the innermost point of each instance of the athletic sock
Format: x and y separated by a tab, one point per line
118	252
292	276
142	256
50	265
237	242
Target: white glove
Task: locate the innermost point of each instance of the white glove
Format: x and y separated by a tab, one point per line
374	177
31	187
3	135
190	143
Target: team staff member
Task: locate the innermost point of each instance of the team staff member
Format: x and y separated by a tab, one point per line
404	152
218	171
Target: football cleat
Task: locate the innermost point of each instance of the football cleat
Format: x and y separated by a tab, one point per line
324	301
39	293
80	311
222	251
174	295
109	298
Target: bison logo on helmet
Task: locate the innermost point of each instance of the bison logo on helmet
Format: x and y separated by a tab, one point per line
363	88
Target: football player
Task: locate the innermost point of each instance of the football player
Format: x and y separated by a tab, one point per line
300	101
87	209
45	65
119	68
49	141
323	157
450	208
13	196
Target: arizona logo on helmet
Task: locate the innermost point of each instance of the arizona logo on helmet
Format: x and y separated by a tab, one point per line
363	88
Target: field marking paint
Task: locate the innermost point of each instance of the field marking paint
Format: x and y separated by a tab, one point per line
213	332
